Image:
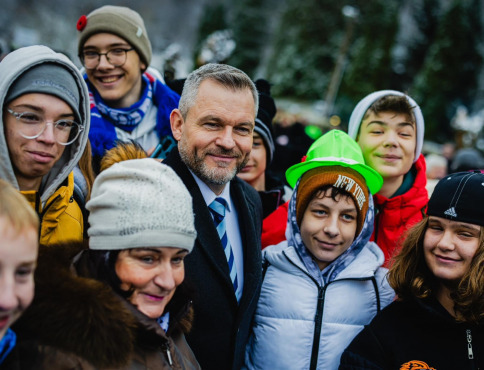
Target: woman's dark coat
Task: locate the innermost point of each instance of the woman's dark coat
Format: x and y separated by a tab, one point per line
78	322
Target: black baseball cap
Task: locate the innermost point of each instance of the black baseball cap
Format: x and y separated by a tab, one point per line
459	197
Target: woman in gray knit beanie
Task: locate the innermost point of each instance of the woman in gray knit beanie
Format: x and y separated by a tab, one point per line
121	303
141	228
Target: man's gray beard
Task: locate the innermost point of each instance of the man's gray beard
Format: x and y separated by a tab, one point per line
206	174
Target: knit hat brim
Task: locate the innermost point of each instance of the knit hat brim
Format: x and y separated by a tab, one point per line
266	135
120	21
140	203
144	239
339	177
48	78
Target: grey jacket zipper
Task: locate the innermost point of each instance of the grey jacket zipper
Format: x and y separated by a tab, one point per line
318	320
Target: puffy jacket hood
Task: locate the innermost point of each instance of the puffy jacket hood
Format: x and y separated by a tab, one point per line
14	65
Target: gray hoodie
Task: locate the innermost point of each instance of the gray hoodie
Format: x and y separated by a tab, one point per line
14	65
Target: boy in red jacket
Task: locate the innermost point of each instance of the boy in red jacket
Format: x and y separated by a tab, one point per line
389	127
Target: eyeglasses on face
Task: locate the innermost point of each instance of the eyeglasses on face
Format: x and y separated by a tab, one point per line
116	57
32	125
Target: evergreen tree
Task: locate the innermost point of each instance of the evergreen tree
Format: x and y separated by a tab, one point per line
425	15
249	25
449	75
213	19
305	49
371	54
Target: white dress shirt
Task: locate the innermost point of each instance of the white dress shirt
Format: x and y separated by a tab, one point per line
231	223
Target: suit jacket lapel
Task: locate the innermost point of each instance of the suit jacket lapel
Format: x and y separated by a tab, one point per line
207	237
252	250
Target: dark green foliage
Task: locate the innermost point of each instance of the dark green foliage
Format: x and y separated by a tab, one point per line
449	74
370	58
213	19
425	17
306	44
249	26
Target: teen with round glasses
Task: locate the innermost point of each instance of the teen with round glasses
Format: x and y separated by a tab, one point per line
44	130
129	101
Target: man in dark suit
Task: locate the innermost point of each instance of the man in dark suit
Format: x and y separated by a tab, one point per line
213	127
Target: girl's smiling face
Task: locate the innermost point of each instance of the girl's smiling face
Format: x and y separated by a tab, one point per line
449	247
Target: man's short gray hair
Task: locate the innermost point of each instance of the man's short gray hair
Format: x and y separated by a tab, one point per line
227	76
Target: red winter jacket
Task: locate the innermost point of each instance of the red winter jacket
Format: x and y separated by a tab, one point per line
274	226
393	216
396	215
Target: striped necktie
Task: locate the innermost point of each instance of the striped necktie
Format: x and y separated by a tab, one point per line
217	208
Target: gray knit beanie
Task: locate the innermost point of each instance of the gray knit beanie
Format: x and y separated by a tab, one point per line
140	203
48	78
361	108
120	21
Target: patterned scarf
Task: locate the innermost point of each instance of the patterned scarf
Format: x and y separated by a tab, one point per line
129	118
330	272
104	119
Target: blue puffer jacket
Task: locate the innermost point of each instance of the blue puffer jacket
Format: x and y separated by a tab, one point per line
299	322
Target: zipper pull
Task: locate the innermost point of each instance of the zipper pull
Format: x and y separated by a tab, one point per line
168	354
470	353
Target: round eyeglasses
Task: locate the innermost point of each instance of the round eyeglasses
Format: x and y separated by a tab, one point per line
32	125
116	57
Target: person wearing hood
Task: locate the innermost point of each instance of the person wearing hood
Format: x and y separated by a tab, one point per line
324	283
437	322
389	127
256	172
45	123
129	100
122	303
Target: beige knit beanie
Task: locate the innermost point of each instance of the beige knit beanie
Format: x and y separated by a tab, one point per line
118	20
140	203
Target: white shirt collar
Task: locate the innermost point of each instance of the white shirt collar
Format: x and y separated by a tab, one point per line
209	196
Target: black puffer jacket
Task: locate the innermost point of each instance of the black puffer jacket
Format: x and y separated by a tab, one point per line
416	334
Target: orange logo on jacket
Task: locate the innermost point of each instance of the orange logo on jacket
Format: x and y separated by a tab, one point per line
416	365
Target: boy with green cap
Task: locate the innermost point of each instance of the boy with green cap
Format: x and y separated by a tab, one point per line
324	283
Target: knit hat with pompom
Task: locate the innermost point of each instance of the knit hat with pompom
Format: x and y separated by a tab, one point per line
140	203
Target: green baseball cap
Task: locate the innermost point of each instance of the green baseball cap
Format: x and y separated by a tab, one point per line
336	148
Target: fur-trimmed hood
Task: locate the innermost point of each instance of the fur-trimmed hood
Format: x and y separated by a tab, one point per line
85	317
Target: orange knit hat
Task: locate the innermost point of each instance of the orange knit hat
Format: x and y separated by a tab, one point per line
339	177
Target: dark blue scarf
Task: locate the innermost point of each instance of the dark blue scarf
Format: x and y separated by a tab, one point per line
102	133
